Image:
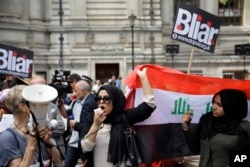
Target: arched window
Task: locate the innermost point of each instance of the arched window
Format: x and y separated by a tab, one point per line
231	11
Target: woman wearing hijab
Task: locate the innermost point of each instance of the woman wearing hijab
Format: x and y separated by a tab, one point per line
220	131
105	137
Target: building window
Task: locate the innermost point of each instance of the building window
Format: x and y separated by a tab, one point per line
231	12
194	3
234	74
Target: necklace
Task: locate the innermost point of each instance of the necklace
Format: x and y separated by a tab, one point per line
20	128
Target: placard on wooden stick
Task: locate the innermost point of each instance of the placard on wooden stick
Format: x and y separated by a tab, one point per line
197	28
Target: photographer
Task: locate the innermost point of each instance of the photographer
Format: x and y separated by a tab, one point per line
20	147
63	84
72	80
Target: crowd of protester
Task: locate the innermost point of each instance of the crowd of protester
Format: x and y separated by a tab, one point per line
66	109
82	136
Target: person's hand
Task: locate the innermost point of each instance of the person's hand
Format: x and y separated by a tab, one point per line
99	118
84	164
141	73
32	142
45	134
72	123
59	102
32	139
186	119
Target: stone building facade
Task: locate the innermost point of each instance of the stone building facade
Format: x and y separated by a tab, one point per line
94	37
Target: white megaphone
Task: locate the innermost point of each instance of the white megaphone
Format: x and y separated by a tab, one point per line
39	97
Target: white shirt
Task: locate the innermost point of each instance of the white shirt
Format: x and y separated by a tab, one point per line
76	110
100	147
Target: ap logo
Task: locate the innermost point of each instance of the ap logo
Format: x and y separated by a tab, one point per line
240	159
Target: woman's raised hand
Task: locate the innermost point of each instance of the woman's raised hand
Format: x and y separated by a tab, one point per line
141	73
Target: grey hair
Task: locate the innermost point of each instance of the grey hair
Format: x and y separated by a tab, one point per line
13	98
83	85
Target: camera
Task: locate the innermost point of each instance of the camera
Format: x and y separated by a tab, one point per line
60	82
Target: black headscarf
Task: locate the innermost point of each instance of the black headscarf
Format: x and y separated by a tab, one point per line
116	150
234	103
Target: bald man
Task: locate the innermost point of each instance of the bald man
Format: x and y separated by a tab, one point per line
37	79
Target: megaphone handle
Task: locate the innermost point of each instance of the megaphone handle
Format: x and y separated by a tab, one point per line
38	140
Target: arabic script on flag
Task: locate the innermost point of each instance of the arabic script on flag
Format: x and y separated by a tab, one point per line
175	92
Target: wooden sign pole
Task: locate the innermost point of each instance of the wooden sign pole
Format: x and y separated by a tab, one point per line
190	60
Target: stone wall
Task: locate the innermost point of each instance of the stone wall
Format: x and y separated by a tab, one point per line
98	31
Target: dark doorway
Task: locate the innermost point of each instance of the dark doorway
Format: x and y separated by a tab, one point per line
105	71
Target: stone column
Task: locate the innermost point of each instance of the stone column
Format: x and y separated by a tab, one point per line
210	6
246	15
78	12
78	8
36	9
47	5
12	8
167	11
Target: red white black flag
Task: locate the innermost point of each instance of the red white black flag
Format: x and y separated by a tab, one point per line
160	135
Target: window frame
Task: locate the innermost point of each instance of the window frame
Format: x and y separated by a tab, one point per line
234	74
231	12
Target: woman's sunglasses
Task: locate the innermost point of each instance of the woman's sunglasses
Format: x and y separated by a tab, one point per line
105	99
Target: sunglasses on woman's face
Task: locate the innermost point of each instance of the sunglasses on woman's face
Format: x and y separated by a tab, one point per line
104	99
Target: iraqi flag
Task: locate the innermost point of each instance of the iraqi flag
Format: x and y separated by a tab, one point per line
160	136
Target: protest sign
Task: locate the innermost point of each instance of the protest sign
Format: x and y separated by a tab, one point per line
15	61
196	27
